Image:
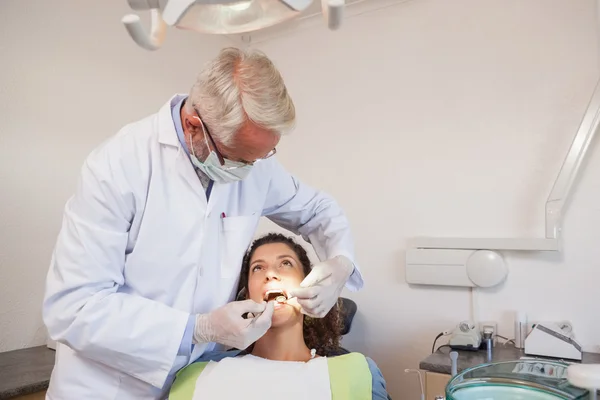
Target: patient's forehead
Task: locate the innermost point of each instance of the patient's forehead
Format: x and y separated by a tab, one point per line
270	251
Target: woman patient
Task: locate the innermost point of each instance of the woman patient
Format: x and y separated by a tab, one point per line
294	358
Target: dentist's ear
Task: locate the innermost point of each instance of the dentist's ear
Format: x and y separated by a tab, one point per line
192	124
195	121
190	120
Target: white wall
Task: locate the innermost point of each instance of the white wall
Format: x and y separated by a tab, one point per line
69	78
428	118
450	118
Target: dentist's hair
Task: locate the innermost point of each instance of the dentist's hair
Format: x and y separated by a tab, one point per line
238	87
322	334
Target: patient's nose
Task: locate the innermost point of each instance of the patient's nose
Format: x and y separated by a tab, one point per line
272	274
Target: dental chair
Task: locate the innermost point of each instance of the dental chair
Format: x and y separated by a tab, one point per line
348	310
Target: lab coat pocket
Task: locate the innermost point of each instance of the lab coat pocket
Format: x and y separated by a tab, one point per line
236	234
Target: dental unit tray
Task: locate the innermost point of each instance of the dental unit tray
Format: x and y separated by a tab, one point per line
520	379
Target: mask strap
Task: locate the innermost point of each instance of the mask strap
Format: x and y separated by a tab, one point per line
204	134
192	146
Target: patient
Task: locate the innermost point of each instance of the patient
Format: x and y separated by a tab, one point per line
296	357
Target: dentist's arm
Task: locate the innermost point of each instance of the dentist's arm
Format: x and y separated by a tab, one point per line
83	308
320	220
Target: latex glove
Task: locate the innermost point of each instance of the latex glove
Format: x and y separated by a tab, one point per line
226	325
322	287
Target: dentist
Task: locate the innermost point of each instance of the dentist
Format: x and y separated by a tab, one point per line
147	260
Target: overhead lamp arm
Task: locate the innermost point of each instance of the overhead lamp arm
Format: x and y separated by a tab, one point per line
158	30
333	12
571	165
461	261
175	9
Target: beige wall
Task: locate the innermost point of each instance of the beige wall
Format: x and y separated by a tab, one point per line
450	118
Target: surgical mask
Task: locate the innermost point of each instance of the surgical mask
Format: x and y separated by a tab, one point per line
232	171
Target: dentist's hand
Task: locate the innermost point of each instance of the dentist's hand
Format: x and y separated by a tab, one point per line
320	290
226	325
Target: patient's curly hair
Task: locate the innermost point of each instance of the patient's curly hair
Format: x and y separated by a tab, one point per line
321	334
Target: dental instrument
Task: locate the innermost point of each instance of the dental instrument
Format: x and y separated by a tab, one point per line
415	371
489	344
453	363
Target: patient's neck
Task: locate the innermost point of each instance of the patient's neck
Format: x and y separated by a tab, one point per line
284	343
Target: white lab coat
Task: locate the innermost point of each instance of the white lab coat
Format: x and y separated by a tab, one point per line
140	249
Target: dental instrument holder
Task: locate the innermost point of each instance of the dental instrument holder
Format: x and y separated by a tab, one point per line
453	363
488	339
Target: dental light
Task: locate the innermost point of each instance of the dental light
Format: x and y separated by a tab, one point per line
219	16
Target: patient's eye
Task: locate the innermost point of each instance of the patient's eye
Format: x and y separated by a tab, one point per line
287	263
257	267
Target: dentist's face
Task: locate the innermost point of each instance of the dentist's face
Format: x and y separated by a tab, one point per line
250	143
275	266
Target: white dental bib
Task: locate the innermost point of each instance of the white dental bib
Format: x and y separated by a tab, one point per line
254	378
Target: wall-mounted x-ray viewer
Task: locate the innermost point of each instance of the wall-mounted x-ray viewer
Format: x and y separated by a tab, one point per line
477	262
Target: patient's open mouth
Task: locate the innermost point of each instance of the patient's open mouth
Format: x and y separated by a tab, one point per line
276	295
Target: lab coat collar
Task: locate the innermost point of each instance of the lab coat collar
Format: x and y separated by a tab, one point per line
167	135
166	130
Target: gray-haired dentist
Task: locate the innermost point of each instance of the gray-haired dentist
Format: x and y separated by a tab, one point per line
147	260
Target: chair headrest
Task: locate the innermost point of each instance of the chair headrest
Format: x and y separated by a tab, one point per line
348	310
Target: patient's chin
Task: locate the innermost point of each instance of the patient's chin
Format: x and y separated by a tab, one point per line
284	314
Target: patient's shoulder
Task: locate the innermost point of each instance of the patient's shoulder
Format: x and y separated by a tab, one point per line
353	356
351	363
357	366
350	376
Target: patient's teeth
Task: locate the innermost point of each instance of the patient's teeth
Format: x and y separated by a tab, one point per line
276	294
